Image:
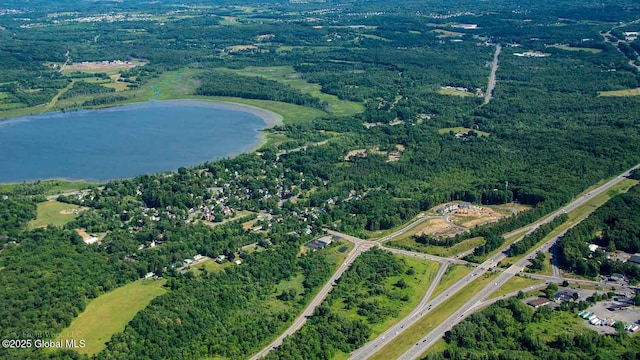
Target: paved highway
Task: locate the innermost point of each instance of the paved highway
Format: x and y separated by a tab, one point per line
371	347
415	351
426	256
492	76
402	231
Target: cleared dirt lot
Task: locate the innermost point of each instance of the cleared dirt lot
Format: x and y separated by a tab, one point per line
474	216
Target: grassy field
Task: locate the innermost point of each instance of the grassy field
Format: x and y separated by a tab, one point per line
453	92
291	113
446	33
627	92
418	284
287	75
54	186
274	303
110	313
461	130
450	277
571	48
210	265
338	253
414	333
407	242
561	322
54	213
514	284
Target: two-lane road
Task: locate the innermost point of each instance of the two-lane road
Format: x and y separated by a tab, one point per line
317	300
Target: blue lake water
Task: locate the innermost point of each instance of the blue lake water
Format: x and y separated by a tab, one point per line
123	141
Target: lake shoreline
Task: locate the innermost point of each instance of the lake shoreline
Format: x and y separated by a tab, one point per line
269	118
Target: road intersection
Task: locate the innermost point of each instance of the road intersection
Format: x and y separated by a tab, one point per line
426	306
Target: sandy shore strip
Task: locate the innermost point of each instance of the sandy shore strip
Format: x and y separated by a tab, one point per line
270	118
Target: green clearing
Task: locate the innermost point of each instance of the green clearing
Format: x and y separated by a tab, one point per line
54	100
461	130
407	242
110	313
54	213
53	187
450	277
291	113
417	285
294	283
210	266
446	33
454	92
374	37
572	48
627	92
400	344
178	84
514	284
338	253
562	322
287	75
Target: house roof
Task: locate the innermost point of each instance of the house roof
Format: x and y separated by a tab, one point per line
635	259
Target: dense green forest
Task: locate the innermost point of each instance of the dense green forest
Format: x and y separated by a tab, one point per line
417	77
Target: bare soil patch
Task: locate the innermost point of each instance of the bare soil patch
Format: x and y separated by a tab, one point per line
474	216
437	228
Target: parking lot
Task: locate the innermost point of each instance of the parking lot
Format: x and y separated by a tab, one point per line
628	316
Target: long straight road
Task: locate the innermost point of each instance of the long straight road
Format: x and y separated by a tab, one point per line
492	77
418	255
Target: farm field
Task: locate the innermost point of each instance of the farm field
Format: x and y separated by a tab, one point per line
627	92
454	92
287	75
572	48
54	213
109	313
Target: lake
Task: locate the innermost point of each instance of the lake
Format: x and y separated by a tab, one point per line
126	141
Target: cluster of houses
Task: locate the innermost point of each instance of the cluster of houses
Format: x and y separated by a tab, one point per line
596	321
208	214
